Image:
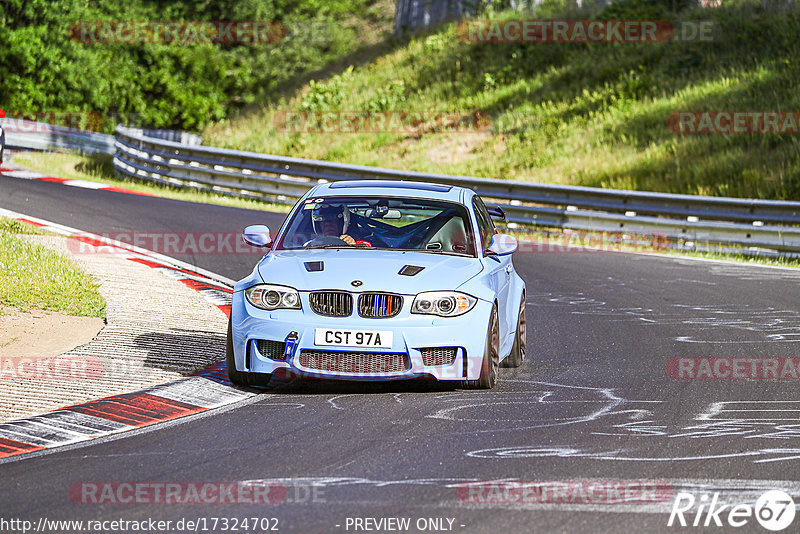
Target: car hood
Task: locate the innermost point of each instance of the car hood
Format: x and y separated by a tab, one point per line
377	270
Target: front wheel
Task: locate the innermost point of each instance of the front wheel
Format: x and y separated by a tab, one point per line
491	357
239	378
517	356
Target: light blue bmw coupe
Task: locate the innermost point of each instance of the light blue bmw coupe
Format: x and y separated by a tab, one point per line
380	280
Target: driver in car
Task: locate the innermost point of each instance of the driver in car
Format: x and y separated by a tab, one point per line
332	221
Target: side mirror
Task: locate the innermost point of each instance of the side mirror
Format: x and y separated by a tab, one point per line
257	235
502	245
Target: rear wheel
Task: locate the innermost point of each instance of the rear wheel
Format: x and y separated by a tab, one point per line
491	357
239	378
517	356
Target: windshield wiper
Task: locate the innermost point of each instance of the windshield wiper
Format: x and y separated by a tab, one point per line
337	246
432	251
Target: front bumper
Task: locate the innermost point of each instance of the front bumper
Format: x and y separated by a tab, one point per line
411	333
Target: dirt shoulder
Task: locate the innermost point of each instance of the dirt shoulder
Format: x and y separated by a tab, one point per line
157	329
43	334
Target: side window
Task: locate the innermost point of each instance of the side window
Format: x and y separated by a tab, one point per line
485	226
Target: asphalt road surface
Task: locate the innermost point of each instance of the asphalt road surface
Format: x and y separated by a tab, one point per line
593	407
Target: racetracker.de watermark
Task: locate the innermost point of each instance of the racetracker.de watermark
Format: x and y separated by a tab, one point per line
177	32
733	368
571	241
50	121
396	121
163	243
198	492
198	243
565	492
734	122
583	31
53	368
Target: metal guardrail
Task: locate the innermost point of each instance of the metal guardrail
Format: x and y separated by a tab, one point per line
765	224
26	134
176	136
42	136
156	155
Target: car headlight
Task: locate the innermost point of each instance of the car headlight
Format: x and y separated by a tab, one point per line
443	303
271	297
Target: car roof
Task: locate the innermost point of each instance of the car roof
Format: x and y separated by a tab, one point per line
398	188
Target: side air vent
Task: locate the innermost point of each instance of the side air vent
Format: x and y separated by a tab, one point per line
411	270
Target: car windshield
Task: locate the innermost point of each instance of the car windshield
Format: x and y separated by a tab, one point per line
380	223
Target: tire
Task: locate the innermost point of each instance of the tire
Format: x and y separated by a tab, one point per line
491	357
517	356
239	378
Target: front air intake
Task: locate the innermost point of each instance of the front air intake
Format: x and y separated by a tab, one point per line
354	362
275	350
438	355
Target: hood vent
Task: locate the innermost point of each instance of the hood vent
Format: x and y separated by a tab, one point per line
411	270
314	266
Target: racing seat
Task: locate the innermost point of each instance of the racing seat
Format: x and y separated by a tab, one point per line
451	237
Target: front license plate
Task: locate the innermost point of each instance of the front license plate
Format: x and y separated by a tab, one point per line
329	337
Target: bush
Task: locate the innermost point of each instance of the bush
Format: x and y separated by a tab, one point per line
160	85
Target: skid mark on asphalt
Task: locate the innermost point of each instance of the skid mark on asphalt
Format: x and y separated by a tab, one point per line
707	323
627	455
465	407
335	405
599	402
607	412
749	273
636	419
332	402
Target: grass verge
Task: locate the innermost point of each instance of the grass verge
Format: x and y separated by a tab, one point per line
592	114
32	276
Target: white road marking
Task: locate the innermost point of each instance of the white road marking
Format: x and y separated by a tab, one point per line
25	175
85	184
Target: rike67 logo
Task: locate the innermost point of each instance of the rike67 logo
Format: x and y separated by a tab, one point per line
774	510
